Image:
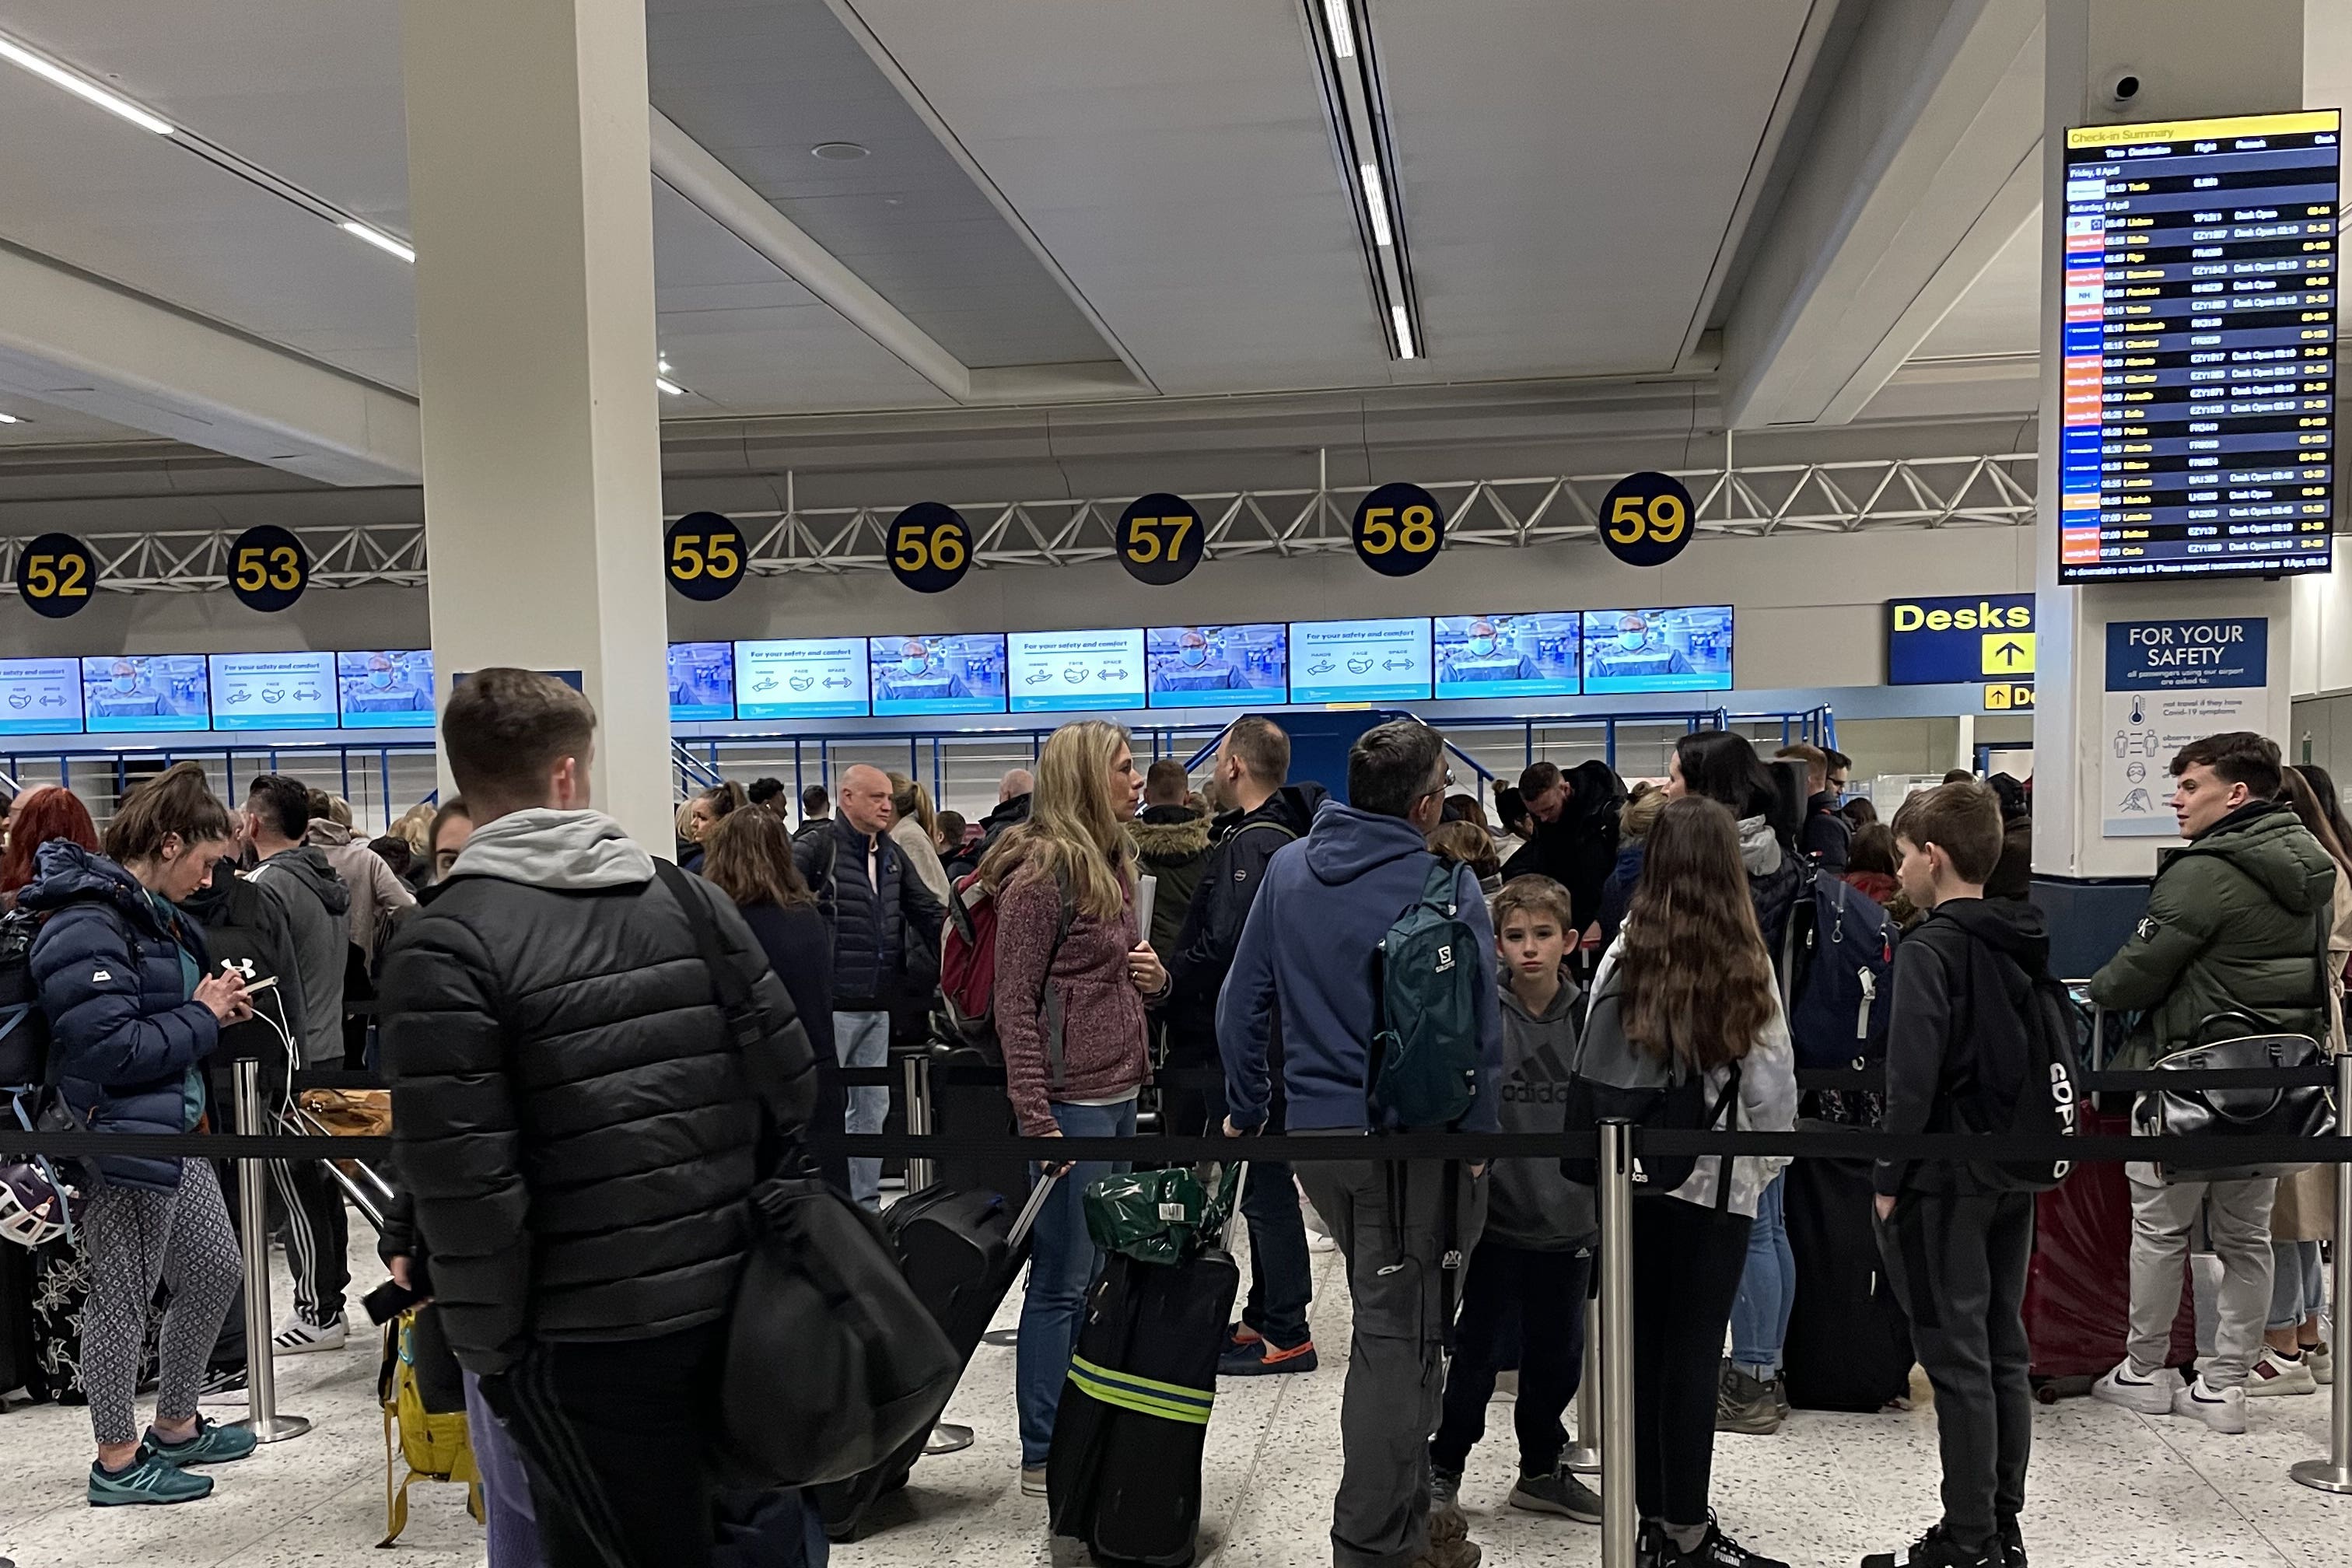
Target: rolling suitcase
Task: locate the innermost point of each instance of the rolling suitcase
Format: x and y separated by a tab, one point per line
1123	1477
1849	1339
969	1100
2078	1287
961	1252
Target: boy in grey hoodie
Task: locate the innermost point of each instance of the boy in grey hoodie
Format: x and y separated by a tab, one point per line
1535	1258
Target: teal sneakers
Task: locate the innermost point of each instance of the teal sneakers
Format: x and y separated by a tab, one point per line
150	1477
213	1444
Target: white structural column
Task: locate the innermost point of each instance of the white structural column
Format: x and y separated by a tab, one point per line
533	213
2193	58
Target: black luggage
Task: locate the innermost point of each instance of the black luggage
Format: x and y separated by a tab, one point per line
1849	1339
1123	1477
969	1100
961	1252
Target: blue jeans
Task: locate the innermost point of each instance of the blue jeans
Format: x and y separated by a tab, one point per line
863	1040
1062	1262
1282	1281
506	1488
2298	1284
1767	1288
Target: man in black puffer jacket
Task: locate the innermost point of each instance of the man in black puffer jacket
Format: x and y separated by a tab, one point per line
886	943
580	1123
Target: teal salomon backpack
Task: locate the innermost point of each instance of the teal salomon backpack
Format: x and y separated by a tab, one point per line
1425	1056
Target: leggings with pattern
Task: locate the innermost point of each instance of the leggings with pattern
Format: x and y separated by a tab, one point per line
136	1237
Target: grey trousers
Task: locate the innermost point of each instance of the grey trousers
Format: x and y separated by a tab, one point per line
1396	1358
1957	1263
2238	1218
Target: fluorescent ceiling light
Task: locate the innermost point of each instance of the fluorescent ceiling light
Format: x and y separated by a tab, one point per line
1403	332
82	86
1377	205
380	239
1343	32
10	419
670	387
661	364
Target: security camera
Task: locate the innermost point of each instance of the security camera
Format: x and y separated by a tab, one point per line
2126	88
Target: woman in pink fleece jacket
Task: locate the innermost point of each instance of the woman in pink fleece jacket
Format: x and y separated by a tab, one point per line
1069	1012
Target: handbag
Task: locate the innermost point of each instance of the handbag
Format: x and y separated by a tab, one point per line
2301	1111
833	1364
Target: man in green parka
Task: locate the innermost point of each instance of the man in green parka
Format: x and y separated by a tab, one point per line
2237	923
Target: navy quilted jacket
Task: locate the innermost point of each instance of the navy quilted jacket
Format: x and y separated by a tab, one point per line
122	1032
882	935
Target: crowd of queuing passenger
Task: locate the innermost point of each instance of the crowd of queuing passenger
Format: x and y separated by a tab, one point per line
580	1118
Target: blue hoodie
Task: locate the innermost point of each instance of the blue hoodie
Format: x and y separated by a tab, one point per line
1307	948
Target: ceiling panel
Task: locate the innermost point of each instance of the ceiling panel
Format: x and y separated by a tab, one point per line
744	338
1567	181
2000	312
90	190
309	91
761	82
1173	159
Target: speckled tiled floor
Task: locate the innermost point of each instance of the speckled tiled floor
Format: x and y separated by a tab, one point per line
2110	1490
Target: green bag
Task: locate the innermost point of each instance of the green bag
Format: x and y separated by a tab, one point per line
1159	1216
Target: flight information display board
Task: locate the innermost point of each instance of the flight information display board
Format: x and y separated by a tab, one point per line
2198	336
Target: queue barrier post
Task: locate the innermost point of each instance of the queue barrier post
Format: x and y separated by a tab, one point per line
1618	1521
919	1170
1583	1457
262	1418
2334	1473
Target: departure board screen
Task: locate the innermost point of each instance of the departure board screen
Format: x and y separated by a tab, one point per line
2200	344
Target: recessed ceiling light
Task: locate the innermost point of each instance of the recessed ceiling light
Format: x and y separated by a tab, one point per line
1403	331
380	239
668	388
1343	32
82	87
10	419
1376	204
837	152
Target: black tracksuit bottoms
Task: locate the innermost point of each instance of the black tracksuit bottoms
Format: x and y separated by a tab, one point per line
1687	1261
1957	1263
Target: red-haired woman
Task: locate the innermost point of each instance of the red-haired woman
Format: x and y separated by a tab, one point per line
41	815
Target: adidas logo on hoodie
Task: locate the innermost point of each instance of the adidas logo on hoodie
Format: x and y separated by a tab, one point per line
1541	1079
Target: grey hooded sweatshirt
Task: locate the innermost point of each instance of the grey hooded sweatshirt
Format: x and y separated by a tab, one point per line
1529	1204
318	907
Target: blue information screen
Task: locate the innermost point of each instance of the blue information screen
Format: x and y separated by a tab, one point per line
1499	655
124	693
1684	649
942	672
1360	661
386	688
273	690
1059	672
800	677
41	696
701	680
1218	667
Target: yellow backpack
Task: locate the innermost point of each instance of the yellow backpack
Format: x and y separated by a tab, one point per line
434	1444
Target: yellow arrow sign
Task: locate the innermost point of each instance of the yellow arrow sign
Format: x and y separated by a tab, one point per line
2008	653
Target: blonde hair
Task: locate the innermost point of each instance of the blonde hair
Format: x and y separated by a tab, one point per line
415	826
1075	831
909	798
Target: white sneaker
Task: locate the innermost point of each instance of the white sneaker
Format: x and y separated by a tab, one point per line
1032	1480
2222	1409
1318	1242
2274	1374
300	1338
2322	1363
2150	1396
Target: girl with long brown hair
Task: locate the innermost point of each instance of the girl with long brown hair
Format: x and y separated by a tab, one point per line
1697	992
1072	972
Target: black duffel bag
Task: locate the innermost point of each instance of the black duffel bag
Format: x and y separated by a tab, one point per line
2301	1111
833	1364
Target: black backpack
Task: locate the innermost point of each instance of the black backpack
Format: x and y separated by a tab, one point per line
2048	1085
24	1028
1614	1078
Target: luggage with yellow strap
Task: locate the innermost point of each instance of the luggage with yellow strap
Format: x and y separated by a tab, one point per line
423	1404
